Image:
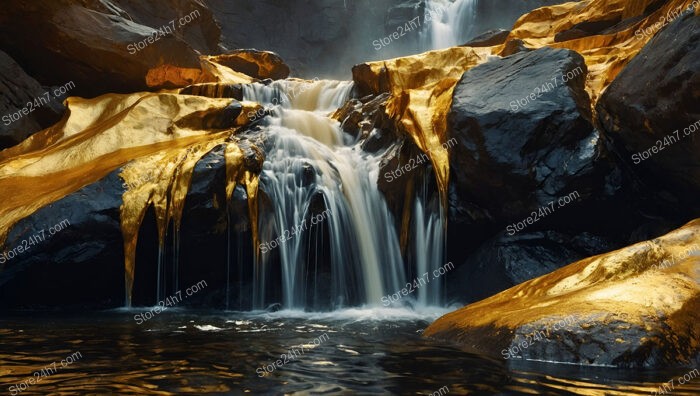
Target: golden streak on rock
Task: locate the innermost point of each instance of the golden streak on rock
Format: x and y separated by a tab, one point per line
163	135
164	185
172	75
252	182
421	88
605	54
633	281
234	163
421	85
215	72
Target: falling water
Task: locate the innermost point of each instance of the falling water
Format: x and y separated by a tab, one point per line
448	23
310	158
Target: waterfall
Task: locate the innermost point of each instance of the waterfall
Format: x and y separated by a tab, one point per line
448	23
310	160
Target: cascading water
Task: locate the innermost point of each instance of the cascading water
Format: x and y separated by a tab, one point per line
448	23
310	159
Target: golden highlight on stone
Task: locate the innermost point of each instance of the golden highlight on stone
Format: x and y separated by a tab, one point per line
421	85
157	137
421	93
605	54
654	284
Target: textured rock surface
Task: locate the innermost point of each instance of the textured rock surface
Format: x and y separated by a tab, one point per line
508	260
95	211
652	112
585	27
505	116
254	63
635	307
18	89
157	157
89	43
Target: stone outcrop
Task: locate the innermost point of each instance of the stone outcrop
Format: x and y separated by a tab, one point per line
635	307
105	46
651	112
156	141
504	160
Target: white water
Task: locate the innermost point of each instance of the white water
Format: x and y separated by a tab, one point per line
365	257
448	23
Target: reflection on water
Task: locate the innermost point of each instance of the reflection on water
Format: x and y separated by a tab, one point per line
370	351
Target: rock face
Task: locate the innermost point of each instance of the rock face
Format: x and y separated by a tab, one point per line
19	89
95	211
505	115
652	113
635	307
133	38
508	260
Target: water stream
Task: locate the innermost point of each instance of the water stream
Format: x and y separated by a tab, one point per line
448	23
310	158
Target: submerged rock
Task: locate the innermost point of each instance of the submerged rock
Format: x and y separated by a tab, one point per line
635	307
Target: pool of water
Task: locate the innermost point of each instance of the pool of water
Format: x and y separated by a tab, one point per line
354	351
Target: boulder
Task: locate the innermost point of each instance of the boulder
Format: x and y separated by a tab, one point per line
133	38
635	307
651	111
525	140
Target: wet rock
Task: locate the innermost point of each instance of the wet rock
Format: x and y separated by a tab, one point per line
47	274
524	138
635	307
651	110
21	93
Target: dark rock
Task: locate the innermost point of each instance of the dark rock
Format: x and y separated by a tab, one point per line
508	260
222	119
62	34
651	108
585	29
47	275
522	141
214	90
488	39
18	90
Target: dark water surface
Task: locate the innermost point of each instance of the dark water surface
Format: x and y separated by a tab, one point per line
363	351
